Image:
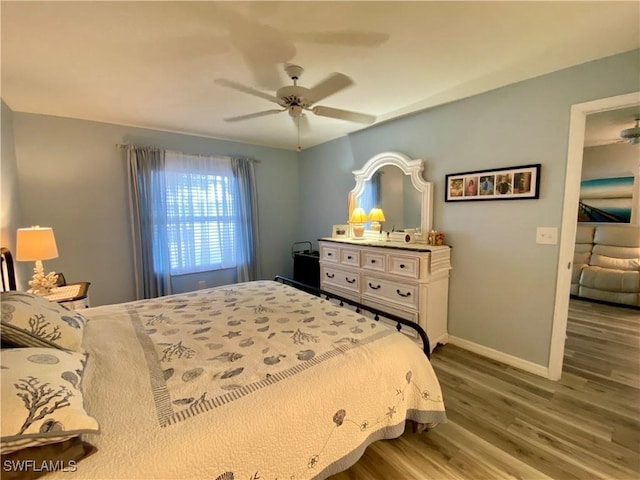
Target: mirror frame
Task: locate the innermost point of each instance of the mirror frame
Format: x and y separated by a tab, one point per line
409	167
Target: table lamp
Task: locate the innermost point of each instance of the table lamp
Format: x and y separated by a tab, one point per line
34	245
357	219
376	216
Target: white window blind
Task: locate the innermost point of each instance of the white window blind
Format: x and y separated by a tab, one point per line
201	213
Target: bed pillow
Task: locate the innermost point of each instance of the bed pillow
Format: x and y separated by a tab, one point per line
32	321
34	462
42	400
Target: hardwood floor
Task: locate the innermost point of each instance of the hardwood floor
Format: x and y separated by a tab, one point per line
506	423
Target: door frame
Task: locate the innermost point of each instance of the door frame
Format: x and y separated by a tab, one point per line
569	223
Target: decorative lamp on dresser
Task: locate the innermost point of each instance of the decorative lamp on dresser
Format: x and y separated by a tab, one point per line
394	271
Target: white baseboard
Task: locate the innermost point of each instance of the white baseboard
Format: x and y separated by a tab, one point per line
510	360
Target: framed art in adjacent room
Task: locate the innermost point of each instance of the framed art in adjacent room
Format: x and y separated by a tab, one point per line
511	183
606	200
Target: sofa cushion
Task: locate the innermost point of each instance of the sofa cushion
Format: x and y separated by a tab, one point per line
612	297
579	262
610	280
620	236
583	248
584	234
616	251
604	261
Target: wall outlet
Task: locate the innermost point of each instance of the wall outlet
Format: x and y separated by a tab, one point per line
547	235
202	285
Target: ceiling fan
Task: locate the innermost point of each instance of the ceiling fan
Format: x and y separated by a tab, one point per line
296	99
632	135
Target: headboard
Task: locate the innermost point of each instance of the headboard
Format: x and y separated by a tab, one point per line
8	272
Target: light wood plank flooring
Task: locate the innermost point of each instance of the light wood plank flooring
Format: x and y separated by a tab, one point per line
506	423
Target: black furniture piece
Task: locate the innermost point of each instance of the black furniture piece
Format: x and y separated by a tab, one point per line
306	264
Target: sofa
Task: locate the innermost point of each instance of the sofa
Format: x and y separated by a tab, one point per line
606	264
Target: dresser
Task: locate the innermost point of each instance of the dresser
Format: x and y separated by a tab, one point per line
408	280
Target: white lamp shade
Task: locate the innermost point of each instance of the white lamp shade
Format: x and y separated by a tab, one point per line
35	243
358	216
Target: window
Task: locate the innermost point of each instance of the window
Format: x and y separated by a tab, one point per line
202	217
190	213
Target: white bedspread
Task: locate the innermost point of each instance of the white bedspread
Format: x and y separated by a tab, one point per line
250	381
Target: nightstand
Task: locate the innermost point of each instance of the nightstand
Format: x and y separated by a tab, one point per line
74	296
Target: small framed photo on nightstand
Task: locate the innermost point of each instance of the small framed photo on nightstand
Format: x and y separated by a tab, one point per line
340	231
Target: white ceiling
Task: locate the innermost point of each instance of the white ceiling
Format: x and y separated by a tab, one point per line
604	128
153	64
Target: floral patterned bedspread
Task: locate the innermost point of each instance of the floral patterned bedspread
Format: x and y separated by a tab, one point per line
249	381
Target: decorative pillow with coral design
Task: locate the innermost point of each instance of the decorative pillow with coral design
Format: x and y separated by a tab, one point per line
32	321
42	400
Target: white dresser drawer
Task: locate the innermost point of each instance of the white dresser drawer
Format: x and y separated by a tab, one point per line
350	257
329	254
340	278
412	316
405	266
374	261
396	292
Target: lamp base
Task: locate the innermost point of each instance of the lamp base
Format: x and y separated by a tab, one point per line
40	283
357	231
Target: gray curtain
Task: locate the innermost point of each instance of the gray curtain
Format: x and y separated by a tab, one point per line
248	267
147	202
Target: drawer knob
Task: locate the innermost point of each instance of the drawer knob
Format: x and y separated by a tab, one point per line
405	295
402	265
329	254
349	257
350	280
373	260
330	275
375	287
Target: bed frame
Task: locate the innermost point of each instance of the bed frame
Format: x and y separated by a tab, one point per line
8	271
9	283
377	314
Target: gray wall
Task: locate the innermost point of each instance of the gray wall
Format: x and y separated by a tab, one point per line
72	178
502	285
605	161
9	196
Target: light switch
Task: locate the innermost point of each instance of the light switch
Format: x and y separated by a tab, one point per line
547	235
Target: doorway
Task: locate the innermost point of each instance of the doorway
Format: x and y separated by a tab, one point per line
568	228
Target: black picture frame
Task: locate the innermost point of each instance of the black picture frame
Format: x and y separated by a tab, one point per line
509	183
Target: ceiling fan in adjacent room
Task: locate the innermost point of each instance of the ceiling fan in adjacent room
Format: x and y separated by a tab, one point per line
631	135
295	99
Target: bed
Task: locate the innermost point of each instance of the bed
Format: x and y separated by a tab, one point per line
256	380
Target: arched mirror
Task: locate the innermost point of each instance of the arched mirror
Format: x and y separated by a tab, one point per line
393	182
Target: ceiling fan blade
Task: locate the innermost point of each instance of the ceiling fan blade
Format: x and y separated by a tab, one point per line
253	115
245	89
344	114
343	37
330	85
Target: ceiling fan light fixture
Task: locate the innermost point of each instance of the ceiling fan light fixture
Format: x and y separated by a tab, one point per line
295	111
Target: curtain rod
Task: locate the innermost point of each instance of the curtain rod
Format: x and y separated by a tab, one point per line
121	146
